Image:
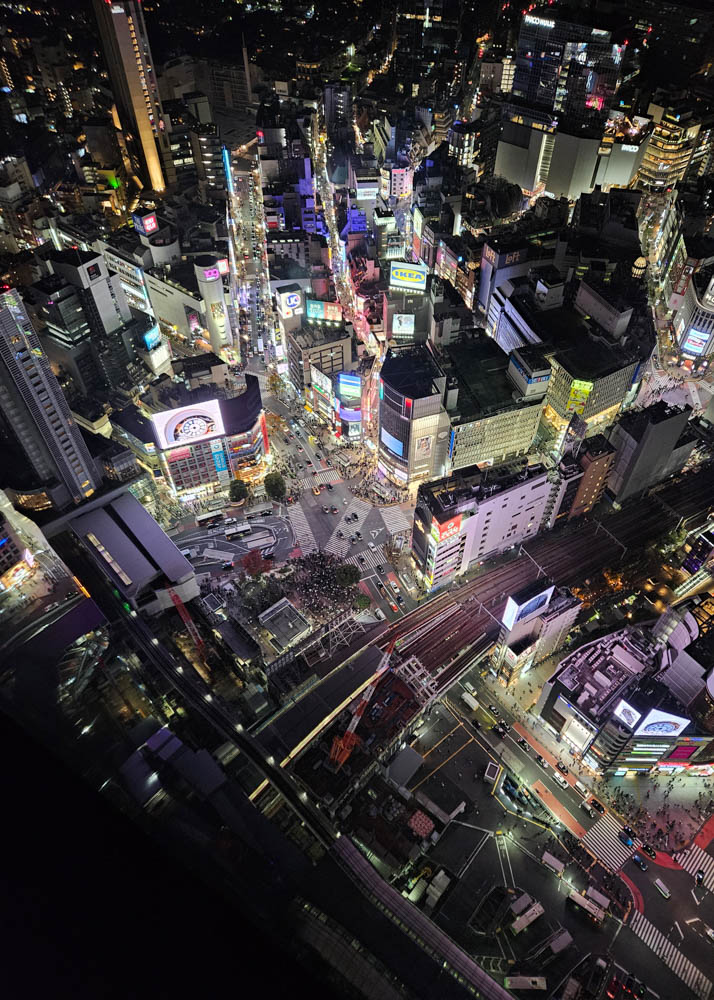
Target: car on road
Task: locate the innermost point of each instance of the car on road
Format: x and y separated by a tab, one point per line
340	533
393	606
325	509
475	723
353	540
334	510
228	564
380	568
379	585
493	710
505	727
640	862
598	806
709	932
635	987
498	731
299	447
542	761
330	487
323	485
361	560
628	830
400	599
613	987
524	745
358	534
699	877
562	768
315	491
649	851
625	838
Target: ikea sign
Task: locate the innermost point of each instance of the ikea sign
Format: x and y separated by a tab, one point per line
409	276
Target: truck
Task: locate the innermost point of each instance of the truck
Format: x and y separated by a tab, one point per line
469	700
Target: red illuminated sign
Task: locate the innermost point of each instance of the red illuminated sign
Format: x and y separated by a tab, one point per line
448	529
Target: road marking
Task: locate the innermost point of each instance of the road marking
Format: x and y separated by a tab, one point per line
376	532
697	901
681	933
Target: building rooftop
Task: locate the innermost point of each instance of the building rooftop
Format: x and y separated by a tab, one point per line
481	366
469	487
411	371
636	422
285	624
600	671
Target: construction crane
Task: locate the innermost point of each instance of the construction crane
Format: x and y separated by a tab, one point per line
342	746
188	622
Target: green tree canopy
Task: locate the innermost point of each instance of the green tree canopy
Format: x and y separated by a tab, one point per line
237	491
275	486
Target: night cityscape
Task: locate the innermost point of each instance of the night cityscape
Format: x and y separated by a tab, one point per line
357	498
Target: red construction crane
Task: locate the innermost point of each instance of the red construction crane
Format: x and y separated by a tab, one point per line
342	746
188	622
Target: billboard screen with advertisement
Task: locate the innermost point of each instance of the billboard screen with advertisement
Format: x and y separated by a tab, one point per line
579	393
145	224
422	448
152	338
392	443
440	532
350	415
658	723
320	381
517	612
188	424
349	386
289	303
409	276
627	714
418	222
223	266
695	342
366	193
329	311
403	325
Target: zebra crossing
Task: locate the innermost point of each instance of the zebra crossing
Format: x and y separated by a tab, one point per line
341	546
603	841
395	520
694	859
301	529
670	955
323	476
371	559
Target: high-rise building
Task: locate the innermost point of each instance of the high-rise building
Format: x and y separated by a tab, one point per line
37	422
133	82
650	445
338	108
670	148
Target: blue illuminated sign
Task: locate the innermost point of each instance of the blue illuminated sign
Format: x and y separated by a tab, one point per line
227	168
220	462
392	443
452	439
152	338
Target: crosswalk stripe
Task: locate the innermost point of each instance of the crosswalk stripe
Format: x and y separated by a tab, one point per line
670	955
323	476
693	859
395	519
303	532
371	559
603	841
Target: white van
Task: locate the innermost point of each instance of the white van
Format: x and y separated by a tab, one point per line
588	809
560	780
372	546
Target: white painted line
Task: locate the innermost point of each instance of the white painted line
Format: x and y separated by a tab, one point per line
681	933
697	901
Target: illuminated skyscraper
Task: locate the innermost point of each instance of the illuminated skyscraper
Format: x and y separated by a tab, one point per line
133	81
37	424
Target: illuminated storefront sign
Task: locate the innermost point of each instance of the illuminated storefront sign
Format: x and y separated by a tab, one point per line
289	303
330	312
422	448
410	276
223	266
188	424
152	338
538	22
145	224
211	273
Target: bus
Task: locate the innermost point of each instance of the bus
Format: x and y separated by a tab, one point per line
468	699
238	529
661	887
553	863
598	898
527	918
595	912
209	520
525	983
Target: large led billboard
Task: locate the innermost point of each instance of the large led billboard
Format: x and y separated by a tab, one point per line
188	424
627	714
658	723
409	276
321	381
349	387
515	612
695	342
392	443
403	325
323	311
450	528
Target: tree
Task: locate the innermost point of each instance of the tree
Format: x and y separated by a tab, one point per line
362	602
237	491
275	486
346	575
276	384
253	563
